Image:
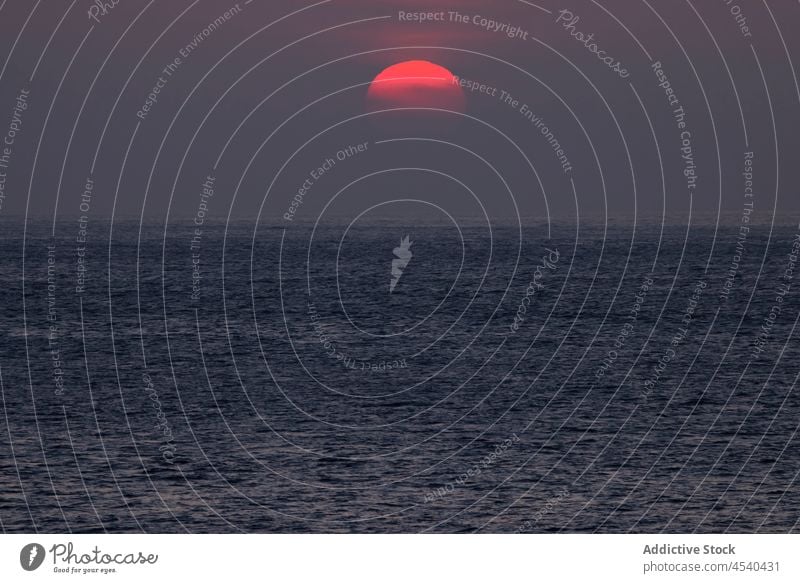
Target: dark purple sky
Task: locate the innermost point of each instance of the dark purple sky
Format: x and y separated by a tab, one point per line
620	133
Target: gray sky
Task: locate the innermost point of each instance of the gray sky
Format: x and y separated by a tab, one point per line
89	86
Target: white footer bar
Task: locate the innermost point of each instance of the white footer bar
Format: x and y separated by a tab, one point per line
400	558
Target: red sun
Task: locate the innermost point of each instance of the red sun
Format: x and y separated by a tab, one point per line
419	85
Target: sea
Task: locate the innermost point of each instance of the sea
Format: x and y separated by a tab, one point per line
398	376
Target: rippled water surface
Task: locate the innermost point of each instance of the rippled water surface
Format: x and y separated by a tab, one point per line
576	380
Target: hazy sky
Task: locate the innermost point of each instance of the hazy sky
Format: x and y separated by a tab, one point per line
310	64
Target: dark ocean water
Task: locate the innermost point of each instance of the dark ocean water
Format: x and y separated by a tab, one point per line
291	391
